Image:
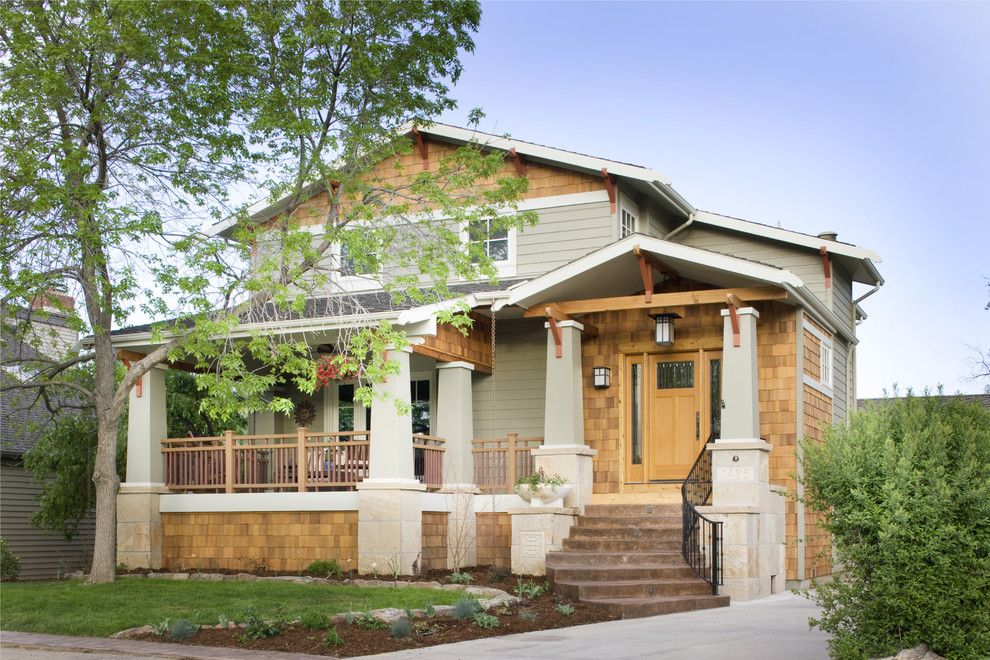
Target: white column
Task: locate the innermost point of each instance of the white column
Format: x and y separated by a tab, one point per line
455	424
564	411
390	507
139	524
740	378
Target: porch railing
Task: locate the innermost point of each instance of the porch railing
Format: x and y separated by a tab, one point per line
701	542
499	462
301	461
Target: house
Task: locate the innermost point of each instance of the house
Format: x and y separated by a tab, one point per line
23	420
628	330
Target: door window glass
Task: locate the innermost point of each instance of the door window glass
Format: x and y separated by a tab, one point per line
636	418
675	375
715	387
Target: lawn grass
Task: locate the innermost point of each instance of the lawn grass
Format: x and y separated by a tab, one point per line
70	607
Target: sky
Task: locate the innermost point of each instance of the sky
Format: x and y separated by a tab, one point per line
870	120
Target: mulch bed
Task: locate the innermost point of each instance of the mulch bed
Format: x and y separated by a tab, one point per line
427	632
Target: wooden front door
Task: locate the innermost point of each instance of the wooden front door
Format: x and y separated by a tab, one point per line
674	389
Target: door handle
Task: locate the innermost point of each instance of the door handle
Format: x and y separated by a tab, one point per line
697	426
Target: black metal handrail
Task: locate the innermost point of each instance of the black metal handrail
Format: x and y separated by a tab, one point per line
701	537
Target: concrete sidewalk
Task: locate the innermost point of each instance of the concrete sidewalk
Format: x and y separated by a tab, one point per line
768	629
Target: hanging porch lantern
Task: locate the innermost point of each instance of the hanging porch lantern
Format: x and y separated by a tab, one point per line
665	328
601	377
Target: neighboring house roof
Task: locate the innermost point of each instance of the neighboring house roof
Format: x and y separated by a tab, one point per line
982	399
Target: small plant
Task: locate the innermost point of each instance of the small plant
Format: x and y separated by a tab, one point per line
499	574
333	638
527	615
430	611
540	479
366	621
161	628
460	578
566	609
486	620
465	608
425	629
10	565
401	629
312	620
223	621
393	568
529	590
326	567
257	627
182	629
122	567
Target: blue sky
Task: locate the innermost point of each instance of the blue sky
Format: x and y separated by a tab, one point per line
867	119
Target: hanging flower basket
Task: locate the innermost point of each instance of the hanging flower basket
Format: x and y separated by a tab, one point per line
333	368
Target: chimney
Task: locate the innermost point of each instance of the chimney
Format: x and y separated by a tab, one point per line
54	301
829	236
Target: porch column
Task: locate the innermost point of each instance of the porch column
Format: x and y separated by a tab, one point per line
389	500
455	424
139	524
751	512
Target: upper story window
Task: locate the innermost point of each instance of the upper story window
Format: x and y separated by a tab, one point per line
825	364
627	223
495	243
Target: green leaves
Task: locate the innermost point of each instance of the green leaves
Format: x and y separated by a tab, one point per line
905	494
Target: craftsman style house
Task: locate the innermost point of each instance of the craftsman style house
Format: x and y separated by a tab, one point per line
665	361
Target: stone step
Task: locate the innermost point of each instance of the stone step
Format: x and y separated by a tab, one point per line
631	509
588	590
630	521
627	533
599	558
631	608
604	544
566	572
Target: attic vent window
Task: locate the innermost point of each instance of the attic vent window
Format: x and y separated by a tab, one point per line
627	224
825	364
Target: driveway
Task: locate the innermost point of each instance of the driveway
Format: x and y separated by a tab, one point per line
769	629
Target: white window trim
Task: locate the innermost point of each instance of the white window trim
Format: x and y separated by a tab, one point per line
506	267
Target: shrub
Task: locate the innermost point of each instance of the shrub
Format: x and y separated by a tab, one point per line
528	615
256	627
333	638
566	609
326	567
499	574
460	578
401	628
366	621
485	620
904	491
182	629
10	566
312	620
465	608
430	611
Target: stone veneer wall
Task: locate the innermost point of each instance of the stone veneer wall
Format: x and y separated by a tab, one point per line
494	539
276	540
434	553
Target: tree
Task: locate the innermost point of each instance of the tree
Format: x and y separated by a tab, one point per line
125	124
904	492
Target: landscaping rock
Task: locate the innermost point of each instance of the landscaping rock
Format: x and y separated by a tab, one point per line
244	577
207	577
389	614
443	611
453	587
176	576
75	575
483	592
133	632
919	652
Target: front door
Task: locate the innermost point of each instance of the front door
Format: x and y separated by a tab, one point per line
675	415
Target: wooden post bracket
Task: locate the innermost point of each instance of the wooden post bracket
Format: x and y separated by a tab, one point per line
137	383
734	303
646	272
519	162
554	312
826	266
555	331
610	188
421	145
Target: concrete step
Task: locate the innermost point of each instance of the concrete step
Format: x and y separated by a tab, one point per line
631	509
627	533
566	572
631	608
605	544
598	558
630	521
632	588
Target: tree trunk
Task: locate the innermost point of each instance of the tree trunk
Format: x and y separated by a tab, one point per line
106	480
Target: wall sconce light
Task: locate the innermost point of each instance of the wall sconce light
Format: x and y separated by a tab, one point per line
601	377
665	328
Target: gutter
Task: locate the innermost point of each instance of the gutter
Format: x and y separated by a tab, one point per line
675	198
822	314
877	278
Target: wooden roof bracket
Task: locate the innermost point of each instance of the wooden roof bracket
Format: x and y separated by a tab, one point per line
609	188
555	331
421	145
519	162
554	312
646	272
137	383
826	266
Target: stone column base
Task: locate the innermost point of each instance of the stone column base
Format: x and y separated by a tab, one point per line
390	526
752	549
139	525
462	526
535	532
573	463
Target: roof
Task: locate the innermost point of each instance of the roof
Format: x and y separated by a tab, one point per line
22	419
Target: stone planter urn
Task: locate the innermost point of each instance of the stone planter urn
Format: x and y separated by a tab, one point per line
543	496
